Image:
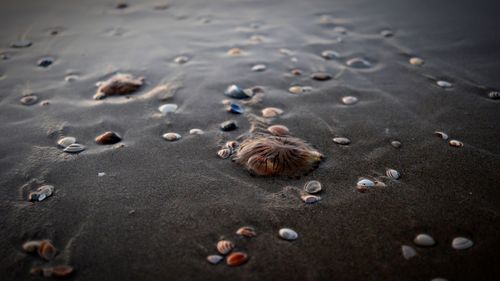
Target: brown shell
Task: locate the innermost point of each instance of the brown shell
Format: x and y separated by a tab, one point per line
108	137
62	271
456	143
237	258
31	246
270	112
278	130
47	251
246	231
225	246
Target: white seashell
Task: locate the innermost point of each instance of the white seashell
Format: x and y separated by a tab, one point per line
408	252
366	183
396	144
312	187
348	100
101	174
494	95
310	199
259	67
330	54
74	148
461	243
295	90
442	135
181	59
444	84
456	143
416	61
196	132
393	174
167	108
225	246
288	234
66	141
214	259
224	153
358	63
387	33
31	246
341	140
270	112
424	240
171	136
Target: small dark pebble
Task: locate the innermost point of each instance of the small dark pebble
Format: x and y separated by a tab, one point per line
21	44
228	126
29	99
108	137
235	108
121	5
321	76
45	62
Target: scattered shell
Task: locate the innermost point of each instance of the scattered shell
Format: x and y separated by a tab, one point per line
442	135
41	193
45	62
455	143
364	184
259	67
234	52
424	240
278	130
396	144
235	108
71	78
181	60
120	84
461	243
196	131
238	93
393	174
74	148
246	231
270	112
358	63
310	199
296	71
46	250
228	126
444	84
225	246
214	259
21	44
66	141
171	136
416	61
232	145
58	271
379	184
494	95
341	140
295	90
387	33
330	54
348	100
168	108
101	174
29	99
408	252
288	234
31	246
312	187
237	258
321	76
224	153
108	137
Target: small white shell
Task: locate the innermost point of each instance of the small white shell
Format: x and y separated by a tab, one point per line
416	61
358	63
225	246
295	90
224	153
408	252
444	84
396	144
366	183
270	112
310	199
341	140
348	100
424	240
456	143
494	95
171	136
181	59
74	148
312	187
442	135
393	174
31	246
214	259
461	243
66	141
196	132
167	108
259	67
288	234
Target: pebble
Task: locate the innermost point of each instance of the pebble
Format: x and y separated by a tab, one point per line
45	62
46	250
228	126
224	153
288	234
270	112
21	44
246	231
296	90
168	108
234	52
237	258
181	60
278	130
358	63
214	259
461	243
235	108
442	135
310	199
259	67
29	99
408	252
107	138
296	72
416	61
330	54
121	5
348	100
387	33
236	92
225	246
424	240
101	174
74	148
396	144
312	187
321	76
456	143
364	184
393	174
494	95
444	84
171	136
196	131
341	140
41	193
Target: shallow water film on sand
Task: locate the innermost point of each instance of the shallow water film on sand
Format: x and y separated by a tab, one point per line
249	140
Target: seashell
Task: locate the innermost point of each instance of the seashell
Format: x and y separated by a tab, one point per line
271	156
101	174
424	240
246	231
46	250
270	112
310	199
330	54
295	90
234	52
181	60
408	252
387	33
237	258
29	99
259	67
348	100
358	63
455	143
416	61
494	95
396	144
71	78
307	89
21	44
74	148
312	187
379	184
238	93
444	84
442	135
225	246
168	108
278	130
31	246
45	62
461	243
341	140
296	72
228	126
66	141
108	137
120	84
235	108
224	153
196	131
41	193
171	136
288	234
364	184
232	145
321	76
214	259
393	174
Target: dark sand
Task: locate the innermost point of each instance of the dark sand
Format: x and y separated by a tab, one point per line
185	198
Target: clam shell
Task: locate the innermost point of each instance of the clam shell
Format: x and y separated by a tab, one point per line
461	243
387	33
416	61
29	99
62	271
321	76
171	136
424	240
181	60
348	100
288	234
393	174
107	138
312	187
41	193
246	231
224	153
168	108
494	95
296	72
66	141
310	199
228	126
270	112
21	44
259	67
408	252
379	184
236	92
330	54
364	184
358	63
295	90
234	52
196	131
442	135
46	250
237	258
341	140
235	108
444	84
31	246
214	259
232	145
74	148
278	130
396	144
225	246
456	143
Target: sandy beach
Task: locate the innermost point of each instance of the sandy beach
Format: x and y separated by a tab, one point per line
410	87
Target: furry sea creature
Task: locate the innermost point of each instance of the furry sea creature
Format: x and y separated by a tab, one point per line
120	84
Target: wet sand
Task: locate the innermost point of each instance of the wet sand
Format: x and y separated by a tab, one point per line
161	206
